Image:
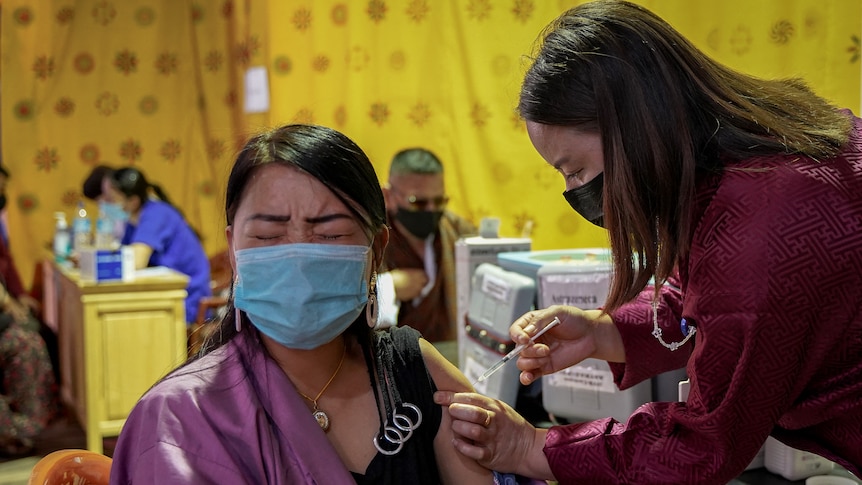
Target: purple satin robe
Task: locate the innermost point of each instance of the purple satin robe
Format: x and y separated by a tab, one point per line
230	417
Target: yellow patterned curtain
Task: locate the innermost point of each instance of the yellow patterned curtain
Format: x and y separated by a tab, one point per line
159	84
445	75
151	83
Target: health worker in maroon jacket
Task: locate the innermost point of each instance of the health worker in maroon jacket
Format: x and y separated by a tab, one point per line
742	197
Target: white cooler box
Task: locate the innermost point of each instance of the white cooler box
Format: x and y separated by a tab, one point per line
585	391
469	254
528	262
497	298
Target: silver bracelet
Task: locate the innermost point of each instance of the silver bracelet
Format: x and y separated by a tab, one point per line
656	331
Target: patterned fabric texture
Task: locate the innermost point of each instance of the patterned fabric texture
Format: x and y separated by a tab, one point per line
773	284
27	396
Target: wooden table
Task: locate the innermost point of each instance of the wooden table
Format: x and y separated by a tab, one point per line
115	339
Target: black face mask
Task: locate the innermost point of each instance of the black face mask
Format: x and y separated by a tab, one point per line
2	201
419	223
587	200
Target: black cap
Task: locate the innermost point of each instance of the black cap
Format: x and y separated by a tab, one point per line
93	184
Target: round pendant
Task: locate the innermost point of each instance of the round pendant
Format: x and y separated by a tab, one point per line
322	420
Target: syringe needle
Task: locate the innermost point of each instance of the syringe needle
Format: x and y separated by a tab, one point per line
517	350
494	368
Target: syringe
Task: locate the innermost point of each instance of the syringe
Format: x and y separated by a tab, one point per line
517	350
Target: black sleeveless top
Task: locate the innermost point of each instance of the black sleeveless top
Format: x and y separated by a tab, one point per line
397	356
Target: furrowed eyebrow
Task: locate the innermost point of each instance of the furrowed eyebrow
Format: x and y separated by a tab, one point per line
327	218
270	218
310	220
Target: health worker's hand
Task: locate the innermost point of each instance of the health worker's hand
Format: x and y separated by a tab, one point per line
581	334
495	435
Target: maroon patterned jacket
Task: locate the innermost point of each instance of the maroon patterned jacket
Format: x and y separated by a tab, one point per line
774	286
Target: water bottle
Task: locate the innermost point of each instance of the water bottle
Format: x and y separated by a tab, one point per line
105	238
62	240
81	230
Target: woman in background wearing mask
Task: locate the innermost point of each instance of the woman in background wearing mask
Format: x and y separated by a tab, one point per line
751	191
158	232
95	186
295	386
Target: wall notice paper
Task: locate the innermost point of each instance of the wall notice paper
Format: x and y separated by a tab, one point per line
256	90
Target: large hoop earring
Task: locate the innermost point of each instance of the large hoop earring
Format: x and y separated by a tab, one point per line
372	308
237	316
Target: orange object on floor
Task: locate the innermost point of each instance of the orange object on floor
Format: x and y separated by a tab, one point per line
72	466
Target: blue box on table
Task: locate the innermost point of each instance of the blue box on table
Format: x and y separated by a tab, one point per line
106	264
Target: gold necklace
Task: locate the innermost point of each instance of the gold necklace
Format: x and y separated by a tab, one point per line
321	417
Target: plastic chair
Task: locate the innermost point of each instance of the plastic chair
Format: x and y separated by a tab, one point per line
72	467
201	328
221	275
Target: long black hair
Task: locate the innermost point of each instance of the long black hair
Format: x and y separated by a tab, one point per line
131	182
666	113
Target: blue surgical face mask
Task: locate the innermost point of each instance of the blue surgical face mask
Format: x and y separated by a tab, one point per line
114	211
302	295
